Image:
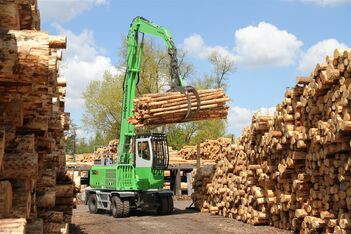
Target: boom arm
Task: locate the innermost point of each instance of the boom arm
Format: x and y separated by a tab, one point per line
140	25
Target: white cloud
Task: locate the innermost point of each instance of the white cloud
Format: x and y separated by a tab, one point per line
326	3
83	62
195	45
79	73
265	44
259	45
65	10
317	53
239	118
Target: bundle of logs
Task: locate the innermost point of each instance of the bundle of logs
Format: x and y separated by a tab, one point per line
291	170
172	107
209	149
35	193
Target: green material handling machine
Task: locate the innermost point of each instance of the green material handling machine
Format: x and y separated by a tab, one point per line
135	181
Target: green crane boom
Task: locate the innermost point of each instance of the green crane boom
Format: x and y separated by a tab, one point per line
135	51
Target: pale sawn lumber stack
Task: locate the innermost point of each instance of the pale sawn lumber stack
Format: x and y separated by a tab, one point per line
32	124
172	107
292	170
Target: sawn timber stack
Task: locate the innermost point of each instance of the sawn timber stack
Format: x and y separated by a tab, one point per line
32	125
172	107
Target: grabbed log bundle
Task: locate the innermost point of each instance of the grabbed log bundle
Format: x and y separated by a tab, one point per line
172	107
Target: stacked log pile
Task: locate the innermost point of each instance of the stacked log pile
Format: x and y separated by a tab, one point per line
201	177
209	149
292	170
177	160
32	124
109	151
172	107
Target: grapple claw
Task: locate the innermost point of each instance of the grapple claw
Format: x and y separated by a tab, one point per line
186	90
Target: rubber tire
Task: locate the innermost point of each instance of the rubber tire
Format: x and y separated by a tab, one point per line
170	205
126	208
92	204
163	206
117	207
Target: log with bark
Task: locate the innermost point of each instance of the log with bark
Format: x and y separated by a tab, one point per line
27	61
19	14
5	198
20	165
13	225
2	147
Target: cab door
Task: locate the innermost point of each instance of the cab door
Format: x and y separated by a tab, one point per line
143	152
143	162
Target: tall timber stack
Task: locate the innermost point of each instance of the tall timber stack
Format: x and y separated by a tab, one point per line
35	194
291	170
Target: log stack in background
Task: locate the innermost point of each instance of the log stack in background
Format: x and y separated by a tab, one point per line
32	124
209	149
292	169
172	107
109	151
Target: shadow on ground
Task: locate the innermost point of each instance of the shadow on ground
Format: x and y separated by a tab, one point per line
75	229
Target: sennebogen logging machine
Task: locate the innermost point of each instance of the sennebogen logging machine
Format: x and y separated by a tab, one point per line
135	181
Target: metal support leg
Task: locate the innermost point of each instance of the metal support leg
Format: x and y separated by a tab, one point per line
178	183
198	156
189	184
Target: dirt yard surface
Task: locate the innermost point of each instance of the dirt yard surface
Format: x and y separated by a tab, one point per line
181	221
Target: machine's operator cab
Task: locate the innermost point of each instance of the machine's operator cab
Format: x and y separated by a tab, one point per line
151	150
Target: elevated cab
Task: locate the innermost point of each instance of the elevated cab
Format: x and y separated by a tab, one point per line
151	158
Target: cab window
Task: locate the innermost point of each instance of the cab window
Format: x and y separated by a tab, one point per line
144	150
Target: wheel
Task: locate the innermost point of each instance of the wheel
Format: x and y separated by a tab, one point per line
92	204
116	207
163	206
170	205
126	208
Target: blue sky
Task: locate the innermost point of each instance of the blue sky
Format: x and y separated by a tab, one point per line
270	41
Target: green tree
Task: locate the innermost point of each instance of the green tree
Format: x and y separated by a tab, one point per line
186	68
223	65
71	137
196	132
84	146
103	104
154	68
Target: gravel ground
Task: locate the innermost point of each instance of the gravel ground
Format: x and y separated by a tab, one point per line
181	221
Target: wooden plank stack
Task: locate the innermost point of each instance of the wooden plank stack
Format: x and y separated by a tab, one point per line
292	170
172	107
209	149
32	124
